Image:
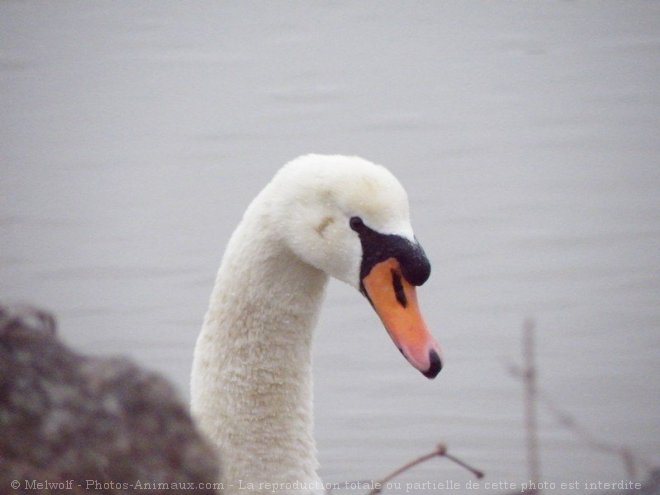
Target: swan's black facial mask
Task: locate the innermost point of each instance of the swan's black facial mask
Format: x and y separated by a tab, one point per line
377	247
391	268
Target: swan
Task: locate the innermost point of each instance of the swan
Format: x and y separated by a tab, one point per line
251	385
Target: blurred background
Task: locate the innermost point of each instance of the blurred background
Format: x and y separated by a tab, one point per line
133	135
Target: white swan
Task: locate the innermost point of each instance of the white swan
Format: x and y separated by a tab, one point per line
252	373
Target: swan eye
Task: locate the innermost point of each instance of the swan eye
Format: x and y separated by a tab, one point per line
356	223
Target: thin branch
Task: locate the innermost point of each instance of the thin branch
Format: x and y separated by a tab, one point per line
630	460
529	375
533	394
476	472
440	451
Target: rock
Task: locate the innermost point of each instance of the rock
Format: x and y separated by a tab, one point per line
102	425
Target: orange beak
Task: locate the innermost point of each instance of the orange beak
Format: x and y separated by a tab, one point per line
395	301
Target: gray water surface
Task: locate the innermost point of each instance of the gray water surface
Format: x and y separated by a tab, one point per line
527	135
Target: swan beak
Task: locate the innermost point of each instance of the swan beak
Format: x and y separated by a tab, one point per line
395	301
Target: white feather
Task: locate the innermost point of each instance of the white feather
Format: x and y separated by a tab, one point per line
252	373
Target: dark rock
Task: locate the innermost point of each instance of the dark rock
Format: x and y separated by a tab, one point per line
103	425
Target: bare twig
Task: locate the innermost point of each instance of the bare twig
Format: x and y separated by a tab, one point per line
477	472
439	451
533	395
629	459
529	376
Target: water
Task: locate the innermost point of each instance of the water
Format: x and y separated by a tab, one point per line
134	135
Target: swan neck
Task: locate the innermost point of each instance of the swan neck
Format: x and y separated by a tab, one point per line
252	372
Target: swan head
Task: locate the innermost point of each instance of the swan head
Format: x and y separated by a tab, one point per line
350	218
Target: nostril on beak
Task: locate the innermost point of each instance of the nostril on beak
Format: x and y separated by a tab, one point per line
435	365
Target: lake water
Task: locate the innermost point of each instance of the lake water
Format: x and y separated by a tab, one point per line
527	134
